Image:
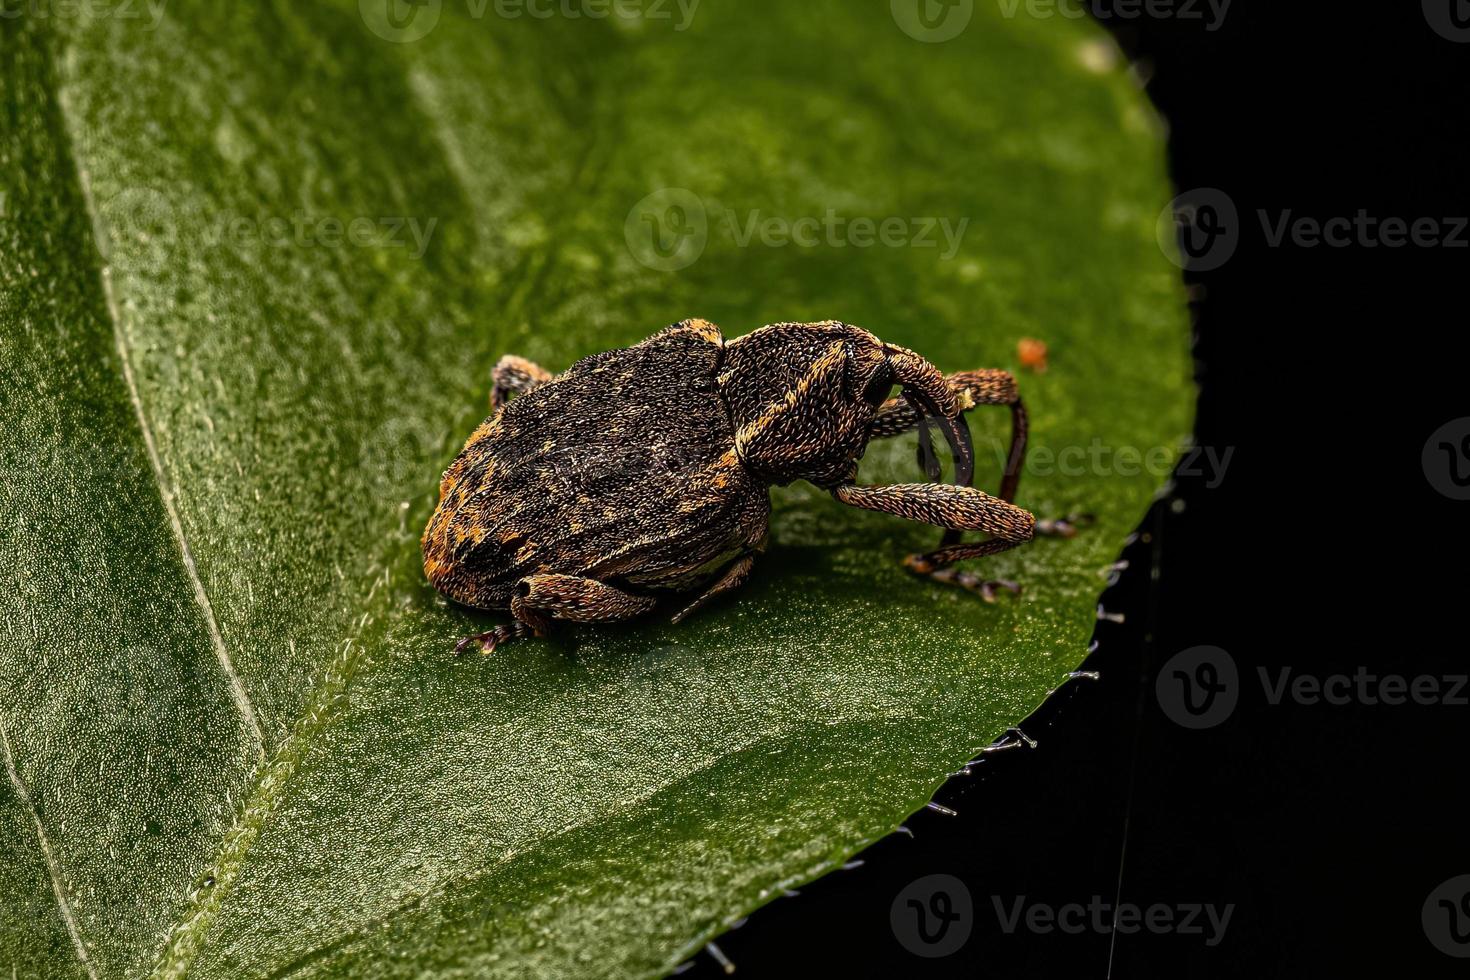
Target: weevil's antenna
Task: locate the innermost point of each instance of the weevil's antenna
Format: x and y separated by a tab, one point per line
956	433
927	459
925	387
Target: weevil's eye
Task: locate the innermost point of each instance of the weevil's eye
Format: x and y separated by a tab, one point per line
876	392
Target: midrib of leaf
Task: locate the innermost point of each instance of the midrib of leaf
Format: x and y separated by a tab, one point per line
166	491
188	936
272	773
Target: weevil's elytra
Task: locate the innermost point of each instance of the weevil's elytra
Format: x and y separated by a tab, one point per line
647	470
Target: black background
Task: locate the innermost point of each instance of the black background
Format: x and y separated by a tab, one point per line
1325	550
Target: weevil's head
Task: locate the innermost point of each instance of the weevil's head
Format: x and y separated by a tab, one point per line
802	396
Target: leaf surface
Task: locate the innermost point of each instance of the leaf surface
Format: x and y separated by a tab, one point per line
255	264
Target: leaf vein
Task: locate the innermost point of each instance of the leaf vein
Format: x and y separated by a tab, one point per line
166	490
53	868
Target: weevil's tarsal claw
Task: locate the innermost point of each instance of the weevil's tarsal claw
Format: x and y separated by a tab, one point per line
918	564
491	639
1064	527
986	589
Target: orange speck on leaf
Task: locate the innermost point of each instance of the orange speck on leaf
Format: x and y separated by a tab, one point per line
1032	354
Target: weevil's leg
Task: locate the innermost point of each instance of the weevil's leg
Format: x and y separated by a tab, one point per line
515	376
935	565
1064	527
539	599
955	509
542	598
500	635
735	576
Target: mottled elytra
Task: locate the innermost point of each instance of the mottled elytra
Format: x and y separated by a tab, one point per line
648	469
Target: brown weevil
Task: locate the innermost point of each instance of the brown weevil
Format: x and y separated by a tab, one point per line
648	469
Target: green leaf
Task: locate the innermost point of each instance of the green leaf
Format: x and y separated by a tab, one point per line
235	740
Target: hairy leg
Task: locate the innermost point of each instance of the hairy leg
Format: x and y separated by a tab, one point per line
735	576
539	599
955	509
514	375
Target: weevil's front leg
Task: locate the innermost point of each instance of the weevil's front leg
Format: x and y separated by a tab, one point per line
955	509
734	577
539	599
514	375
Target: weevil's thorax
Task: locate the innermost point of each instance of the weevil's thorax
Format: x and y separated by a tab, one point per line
801	396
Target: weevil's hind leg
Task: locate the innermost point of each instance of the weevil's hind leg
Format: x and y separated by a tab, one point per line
955	509
734	577
514	375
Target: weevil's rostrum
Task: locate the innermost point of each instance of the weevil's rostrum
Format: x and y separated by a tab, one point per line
647	470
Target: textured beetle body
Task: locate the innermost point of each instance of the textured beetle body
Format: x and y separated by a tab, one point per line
623	469
648	468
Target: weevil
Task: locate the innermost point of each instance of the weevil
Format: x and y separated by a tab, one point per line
647	470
